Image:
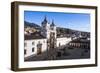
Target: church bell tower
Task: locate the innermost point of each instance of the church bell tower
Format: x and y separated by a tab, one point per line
49	31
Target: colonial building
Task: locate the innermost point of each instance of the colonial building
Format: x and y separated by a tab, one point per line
83	43
45	40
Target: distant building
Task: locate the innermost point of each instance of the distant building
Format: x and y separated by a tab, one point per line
83	43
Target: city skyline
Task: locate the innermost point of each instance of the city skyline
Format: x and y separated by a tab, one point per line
76	21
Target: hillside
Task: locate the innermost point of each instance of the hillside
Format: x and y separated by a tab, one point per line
27	24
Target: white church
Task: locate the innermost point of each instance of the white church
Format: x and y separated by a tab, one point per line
45	40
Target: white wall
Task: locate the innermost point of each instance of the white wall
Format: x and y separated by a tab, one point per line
29	46
63	41
5	27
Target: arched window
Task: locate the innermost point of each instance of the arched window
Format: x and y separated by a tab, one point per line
32	43
33	49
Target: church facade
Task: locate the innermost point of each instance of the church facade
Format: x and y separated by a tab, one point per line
45	40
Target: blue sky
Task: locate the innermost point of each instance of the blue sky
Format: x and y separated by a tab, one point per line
77	21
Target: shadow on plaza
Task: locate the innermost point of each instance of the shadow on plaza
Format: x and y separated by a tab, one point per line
61	54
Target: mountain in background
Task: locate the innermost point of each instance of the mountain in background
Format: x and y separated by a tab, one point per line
28	24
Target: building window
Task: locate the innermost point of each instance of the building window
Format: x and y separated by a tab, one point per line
32	43
44	41
59	44
33	49
25	44
24	51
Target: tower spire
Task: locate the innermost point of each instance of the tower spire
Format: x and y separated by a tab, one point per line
52	24
45	20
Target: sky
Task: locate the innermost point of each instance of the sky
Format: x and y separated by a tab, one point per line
76	21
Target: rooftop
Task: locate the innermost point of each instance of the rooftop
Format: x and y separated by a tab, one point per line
36	35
